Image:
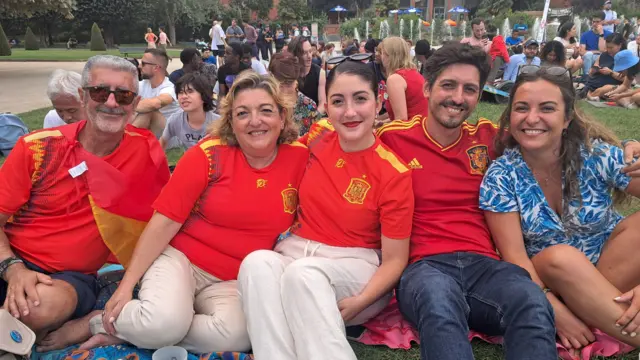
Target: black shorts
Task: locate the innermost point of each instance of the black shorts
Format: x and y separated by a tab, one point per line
86	287
219	51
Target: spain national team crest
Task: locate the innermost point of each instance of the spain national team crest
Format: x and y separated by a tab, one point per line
357	191
478	159
290	199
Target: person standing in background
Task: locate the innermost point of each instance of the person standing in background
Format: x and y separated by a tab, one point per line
150	38
234	33
218	42
252	37
279	39
610	18
478	37
163	40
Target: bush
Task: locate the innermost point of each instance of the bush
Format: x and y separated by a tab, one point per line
31	42
97	42
5	49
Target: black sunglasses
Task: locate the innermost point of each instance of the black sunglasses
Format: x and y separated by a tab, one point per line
355	57
550	70
101	94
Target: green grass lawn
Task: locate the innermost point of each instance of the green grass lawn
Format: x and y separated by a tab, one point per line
68	55
624	122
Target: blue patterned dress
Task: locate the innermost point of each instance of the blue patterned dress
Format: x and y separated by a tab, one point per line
509	186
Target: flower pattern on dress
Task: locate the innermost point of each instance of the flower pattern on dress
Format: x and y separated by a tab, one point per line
509	186
305	113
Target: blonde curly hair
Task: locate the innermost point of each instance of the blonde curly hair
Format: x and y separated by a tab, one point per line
249	80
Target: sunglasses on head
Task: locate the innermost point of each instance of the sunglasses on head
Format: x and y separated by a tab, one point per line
355	57
101	94
549	70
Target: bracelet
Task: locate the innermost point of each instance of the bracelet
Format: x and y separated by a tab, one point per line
5	264
546	290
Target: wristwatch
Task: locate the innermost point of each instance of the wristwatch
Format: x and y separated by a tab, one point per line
4	265
601	35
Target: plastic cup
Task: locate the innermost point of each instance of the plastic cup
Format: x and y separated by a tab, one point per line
170	353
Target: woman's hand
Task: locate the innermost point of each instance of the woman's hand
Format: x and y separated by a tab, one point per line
605	71
630	320
573	333
350	307
114	306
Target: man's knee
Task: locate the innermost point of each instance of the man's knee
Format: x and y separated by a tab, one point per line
57	304
302	274
258	262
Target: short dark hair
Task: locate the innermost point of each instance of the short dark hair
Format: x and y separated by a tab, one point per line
246	49
187	55
423	48
159	54
370	45
357	68
599	15
617	39
295	46
457	53
477	21
197	82
237	49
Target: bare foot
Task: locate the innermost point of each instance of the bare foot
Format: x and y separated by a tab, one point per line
99	340
71	333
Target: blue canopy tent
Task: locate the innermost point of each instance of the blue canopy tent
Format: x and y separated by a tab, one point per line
458	10
338	9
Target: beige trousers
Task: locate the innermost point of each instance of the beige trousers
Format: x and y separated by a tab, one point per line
290	298
171	291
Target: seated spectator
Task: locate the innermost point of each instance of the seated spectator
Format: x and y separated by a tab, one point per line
553	54
72	43
190	124
286	69
634	46
516	61
423	51
592	42
567	36
62	218
233	66
62	90
156	90
325	274
250	60
478	36
602	78
499	56
191	62
522	27
626	64
209	58
514	39
206	222
316	59
328	53
549	202
405	97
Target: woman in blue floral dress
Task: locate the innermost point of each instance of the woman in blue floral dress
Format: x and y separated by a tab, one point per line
549	203
286	69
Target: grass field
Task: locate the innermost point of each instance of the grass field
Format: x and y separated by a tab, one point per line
624	122
68	55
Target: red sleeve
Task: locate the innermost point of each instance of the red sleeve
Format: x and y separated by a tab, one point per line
15	179
396	207
305	138
505	54
186	185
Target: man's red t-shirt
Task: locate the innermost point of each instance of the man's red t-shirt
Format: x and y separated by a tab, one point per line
228	208
446	183
52	224
350	199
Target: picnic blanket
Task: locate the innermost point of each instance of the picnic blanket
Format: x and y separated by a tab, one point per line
602	104
390	328
125	352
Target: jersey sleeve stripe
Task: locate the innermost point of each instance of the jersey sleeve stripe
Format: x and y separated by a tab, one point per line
391	158
209	143
41	135
397	125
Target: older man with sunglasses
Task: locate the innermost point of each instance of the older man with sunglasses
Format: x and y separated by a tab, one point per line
159	99
72	197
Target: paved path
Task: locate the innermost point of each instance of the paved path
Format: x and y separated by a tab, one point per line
23	85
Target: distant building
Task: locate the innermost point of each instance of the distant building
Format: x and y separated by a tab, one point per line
273	14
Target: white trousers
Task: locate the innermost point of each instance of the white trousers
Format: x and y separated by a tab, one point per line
290	298
181	304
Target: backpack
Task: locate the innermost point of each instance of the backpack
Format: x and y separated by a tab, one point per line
11	129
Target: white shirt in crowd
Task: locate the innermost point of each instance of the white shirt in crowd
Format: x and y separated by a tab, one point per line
178	127
167	87
610	15
52	119
258	67
217	36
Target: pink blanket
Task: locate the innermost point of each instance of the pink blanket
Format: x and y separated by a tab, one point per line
389	328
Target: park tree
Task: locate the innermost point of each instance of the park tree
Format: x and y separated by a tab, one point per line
290	11
31	42
384	6
5	49
32	7
113	15
261	7
188	12
490	8
97	41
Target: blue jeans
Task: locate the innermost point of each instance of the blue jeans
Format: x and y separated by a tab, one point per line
446	295
588	60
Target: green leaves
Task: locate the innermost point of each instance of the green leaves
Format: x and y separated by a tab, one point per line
29	7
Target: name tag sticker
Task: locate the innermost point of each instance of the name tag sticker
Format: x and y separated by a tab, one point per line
78	170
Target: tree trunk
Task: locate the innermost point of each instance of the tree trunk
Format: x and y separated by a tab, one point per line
108	36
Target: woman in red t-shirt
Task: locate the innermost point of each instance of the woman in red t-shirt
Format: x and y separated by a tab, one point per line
231	194
405	85
345	254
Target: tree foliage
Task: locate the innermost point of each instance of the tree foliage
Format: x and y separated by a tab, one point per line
261	7
97	41
5	49
491	8
29	7
384	6
113	15
291	11
31	42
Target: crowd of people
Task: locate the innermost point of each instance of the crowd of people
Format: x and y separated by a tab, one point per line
314	190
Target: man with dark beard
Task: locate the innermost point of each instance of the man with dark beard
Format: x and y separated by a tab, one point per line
456	280
72	197
159	100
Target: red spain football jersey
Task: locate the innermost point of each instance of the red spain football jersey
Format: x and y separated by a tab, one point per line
350	199
229	209
446	184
